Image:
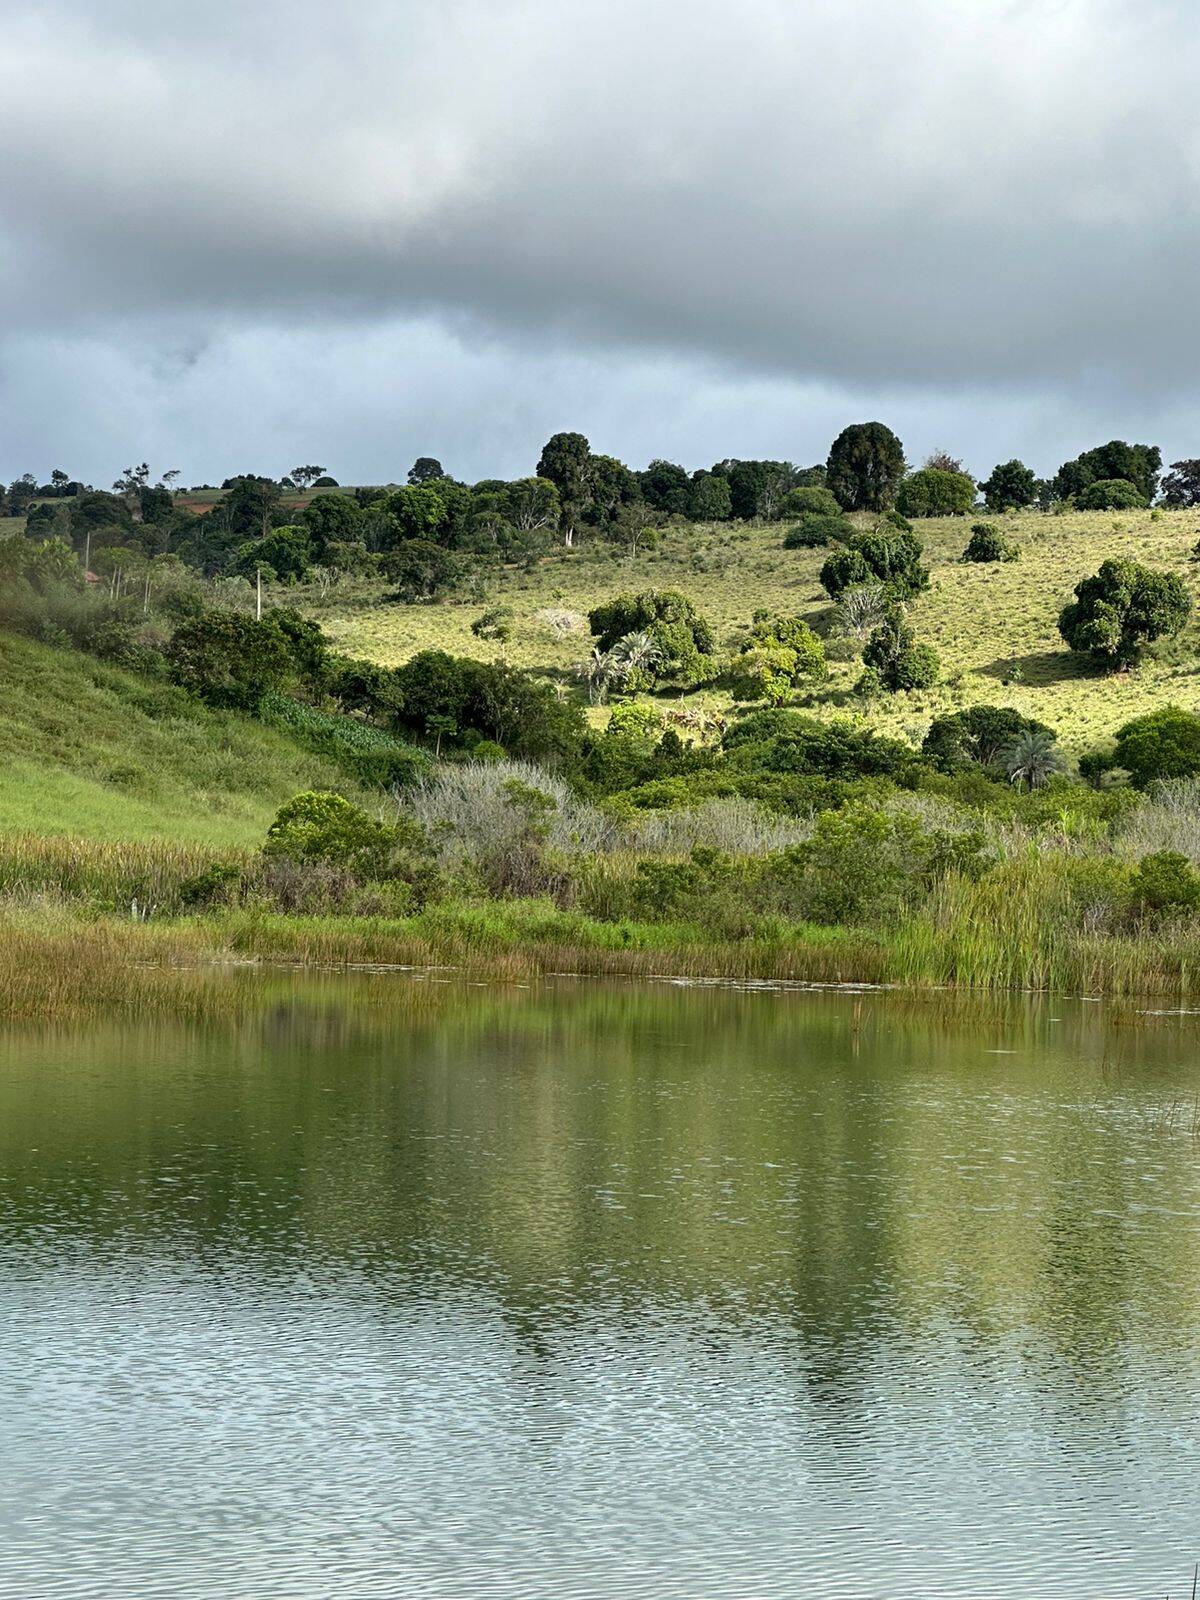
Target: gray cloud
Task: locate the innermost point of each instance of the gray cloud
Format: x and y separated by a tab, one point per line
233	226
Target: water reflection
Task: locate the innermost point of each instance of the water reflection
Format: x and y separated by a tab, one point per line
434	1290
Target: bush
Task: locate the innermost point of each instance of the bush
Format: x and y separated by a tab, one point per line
893	558
1121	609
1166	882
422	571
789	742
1111	494
680	636
780	654
229	660
810	501
319	825
900	662
1162	744
814	530
987	543
978	735
932	492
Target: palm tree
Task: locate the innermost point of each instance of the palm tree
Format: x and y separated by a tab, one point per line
639	652
1031	758
601	669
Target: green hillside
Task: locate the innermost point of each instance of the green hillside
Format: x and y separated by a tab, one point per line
94	752
994	626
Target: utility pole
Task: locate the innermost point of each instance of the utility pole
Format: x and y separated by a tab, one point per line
258	595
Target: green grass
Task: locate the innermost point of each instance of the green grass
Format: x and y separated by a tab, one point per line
92	752
984	620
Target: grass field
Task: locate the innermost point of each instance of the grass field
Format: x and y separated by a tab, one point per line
994	626
96	753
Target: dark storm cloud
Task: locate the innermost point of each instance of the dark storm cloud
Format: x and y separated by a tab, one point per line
988	213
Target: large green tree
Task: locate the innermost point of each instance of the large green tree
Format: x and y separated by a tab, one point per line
865	466
1139	464
1121	609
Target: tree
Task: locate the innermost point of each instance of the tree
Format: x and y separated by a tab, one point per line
1181	486
709	499
1011	487
1163	744
59	480
228	660
1139	464
943	461
1032	758
1121	609
610	486
331	519
899	661
932	492
665	487
531	503
977	735
987	543
565	461
285	552
1111	494
302	477
1166	882
422	571
757	488
424	469
866	464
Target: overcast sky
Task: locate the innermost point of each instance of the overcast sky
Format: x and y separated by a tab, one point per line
244	234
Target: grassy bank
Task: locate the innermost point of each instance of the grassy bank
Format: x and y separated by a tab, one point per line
57	961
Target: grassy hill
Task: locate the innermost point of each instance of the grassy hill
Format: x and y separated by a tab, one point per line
994	626
92	752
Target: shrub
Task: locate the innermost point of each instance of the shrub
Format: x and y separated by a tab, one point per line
815	529
1166	882
977	735
319	825
681	637
422	571
1121	609
1162	744
932	492
1138	464
1111	494
228	660
810	501
901	663
780	654
495	623
790	742
987	543
894	558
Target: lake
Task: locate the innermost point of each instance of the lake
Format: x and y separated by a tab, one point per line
394	1286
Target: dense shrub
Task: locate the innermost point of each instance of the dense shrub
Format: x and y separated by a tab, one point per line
456	701
780	654
1165	882
681	637
789	741
891	558
1121	609
815	529
932	492
810	501
321	826
423	571
899	662
230	660
1111	494
978	735
1162	744
1138	464
987	543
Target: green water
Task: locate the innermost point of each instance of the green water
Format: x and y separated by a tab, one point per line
404	1288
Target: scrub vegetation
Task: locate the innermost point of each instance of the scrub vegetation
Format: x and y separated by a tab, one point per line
845	722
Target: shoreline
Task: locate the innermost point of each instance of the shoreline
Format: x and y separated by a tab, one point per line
59	965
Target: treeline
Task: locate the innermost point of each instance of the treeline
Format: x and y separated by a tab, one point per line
428	535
